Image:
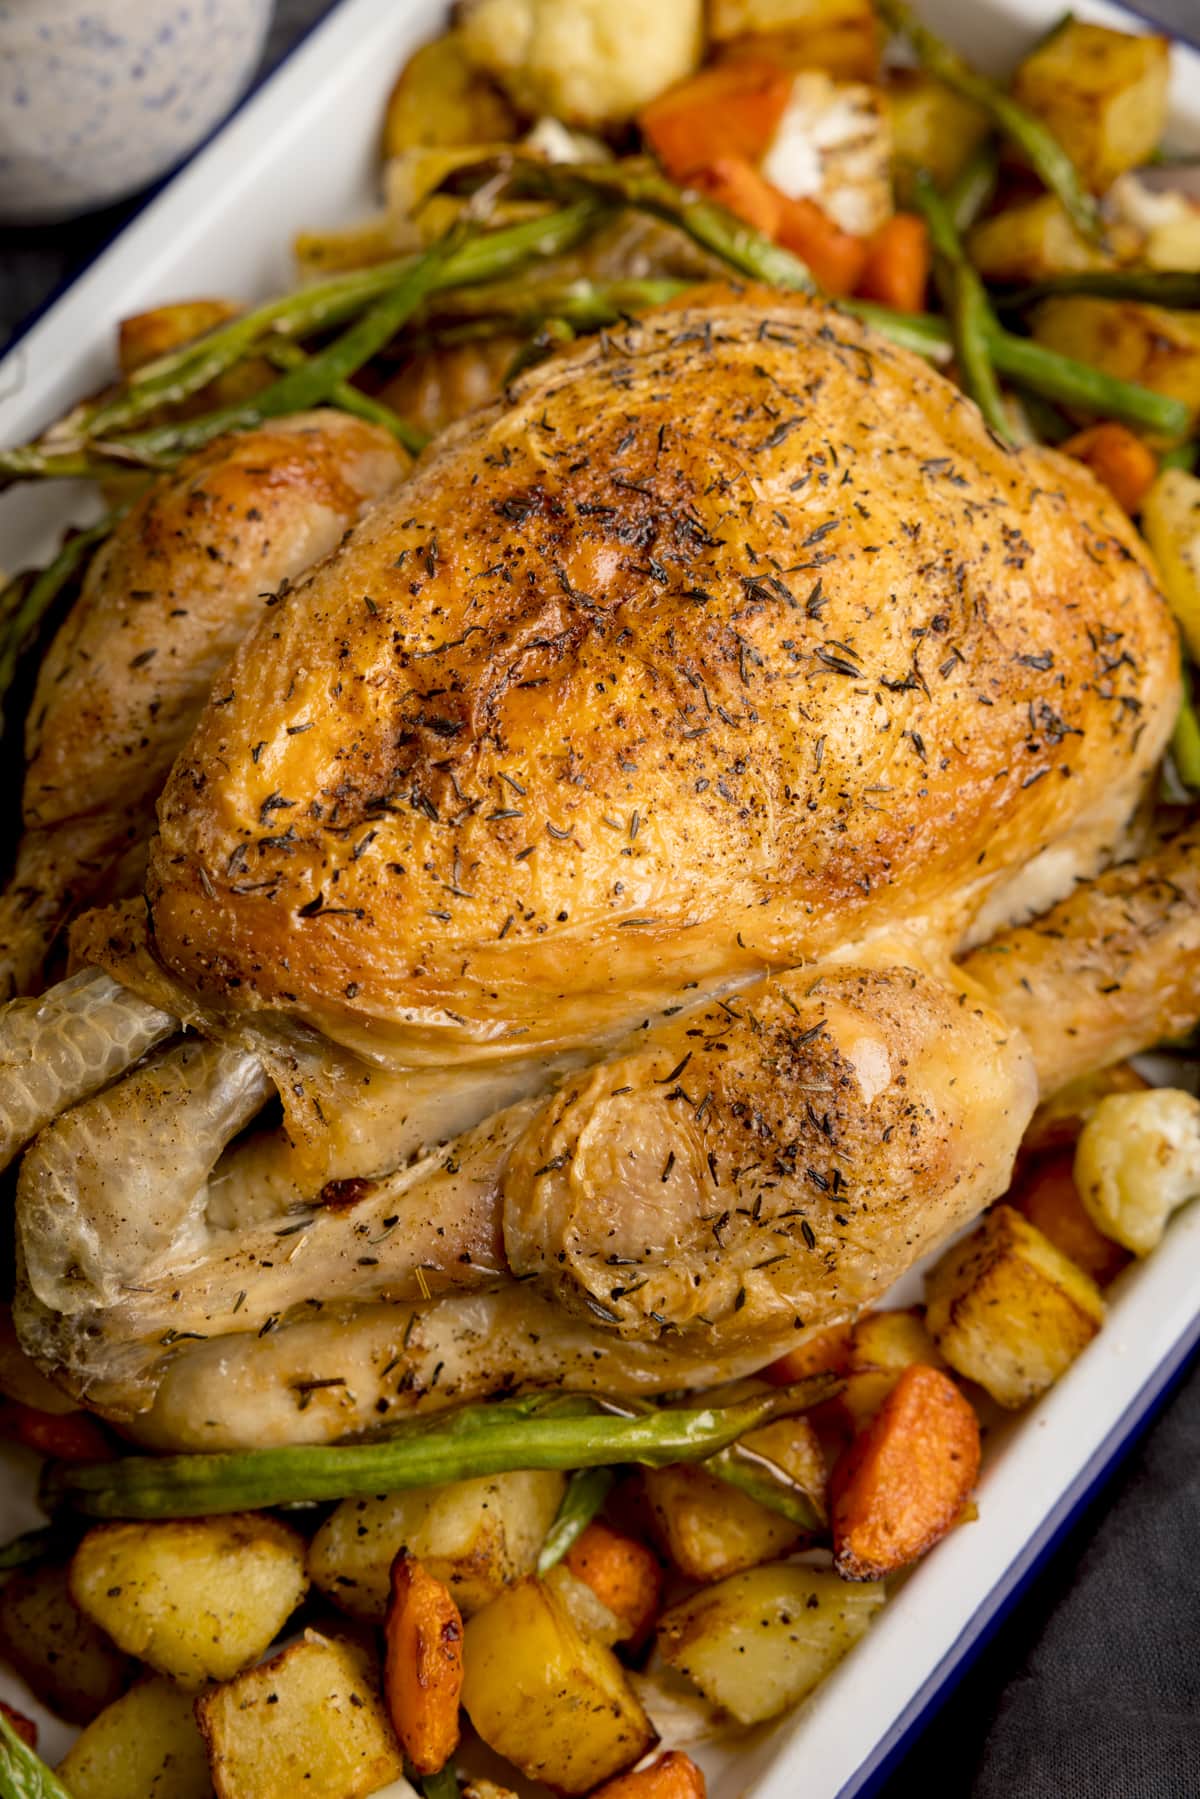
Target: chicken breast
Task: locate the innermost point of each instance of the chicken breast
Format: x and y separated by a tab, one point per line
728	643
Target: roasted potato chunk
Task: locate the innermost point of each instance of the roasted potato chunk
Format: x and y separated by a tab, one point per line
72	1665
761	1641
198	1599
1137	1162
932	128
146	1744
587	62
711	1530
476	1535
1102	93
1152	345
440	97
841	37
537	1691
1030	240
145	335
1009	1310
881	1346
1171	521
309	1721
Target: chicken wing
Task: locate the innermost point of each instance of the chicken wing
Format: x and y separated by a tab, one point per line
168	598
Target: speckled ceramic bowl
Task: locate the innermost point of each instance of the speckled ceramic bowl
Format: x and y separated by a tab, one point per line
98	97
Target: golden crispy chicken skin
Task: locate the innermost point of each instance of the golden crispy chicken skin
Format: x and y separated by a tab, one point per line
727	643
168	599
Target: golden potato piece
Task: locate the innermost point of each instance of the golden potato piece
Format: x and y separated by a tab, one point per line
711	1530
72	1666
148	1743
759	1642
882	1345
1171	522
734	18
1009	1310
839	36
1031	240
475	1535
932	128
539	1692
1152	345
199	1598
440	98
311	1721
146	335
1102	93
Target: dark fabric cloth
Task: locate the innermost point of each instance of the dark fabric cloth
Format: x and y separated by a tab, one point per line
1091	1689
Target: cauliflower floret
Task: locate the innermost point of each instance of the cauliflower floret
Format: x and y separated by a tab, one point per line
590	62
1137	1161
834	145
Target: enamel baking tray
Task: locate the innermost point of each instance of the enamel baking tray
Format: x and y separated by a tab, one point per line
303	153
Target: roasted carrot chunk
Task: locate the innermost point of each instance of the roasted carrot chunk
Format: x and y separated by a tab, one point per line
423	1671
624	1574
835	257
731	109
1118	458
737	185
64	1436
671	1776
824	1353
905	1479
1047	1195
27	1730
896	271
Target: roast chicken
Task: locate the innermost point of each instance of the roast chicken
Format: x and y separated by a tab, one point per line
618	911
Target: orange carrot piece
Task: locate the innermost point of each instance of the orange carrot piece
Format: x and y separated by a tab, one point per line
63	1436
624	1574
1118	459
1047	1195
729	109
897	266
737	185
25	1727
423	1671
904	1480
824	1353
836	257
671	1776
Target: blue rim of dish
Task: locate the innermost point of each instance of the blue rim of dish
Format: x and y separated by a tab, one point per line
889	1752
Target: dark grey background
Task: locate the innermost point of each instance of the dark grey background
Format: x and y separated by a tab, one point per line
1091	1689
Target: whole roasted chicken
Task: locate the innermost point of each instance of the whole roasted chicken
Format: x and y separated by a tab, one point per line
598	897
